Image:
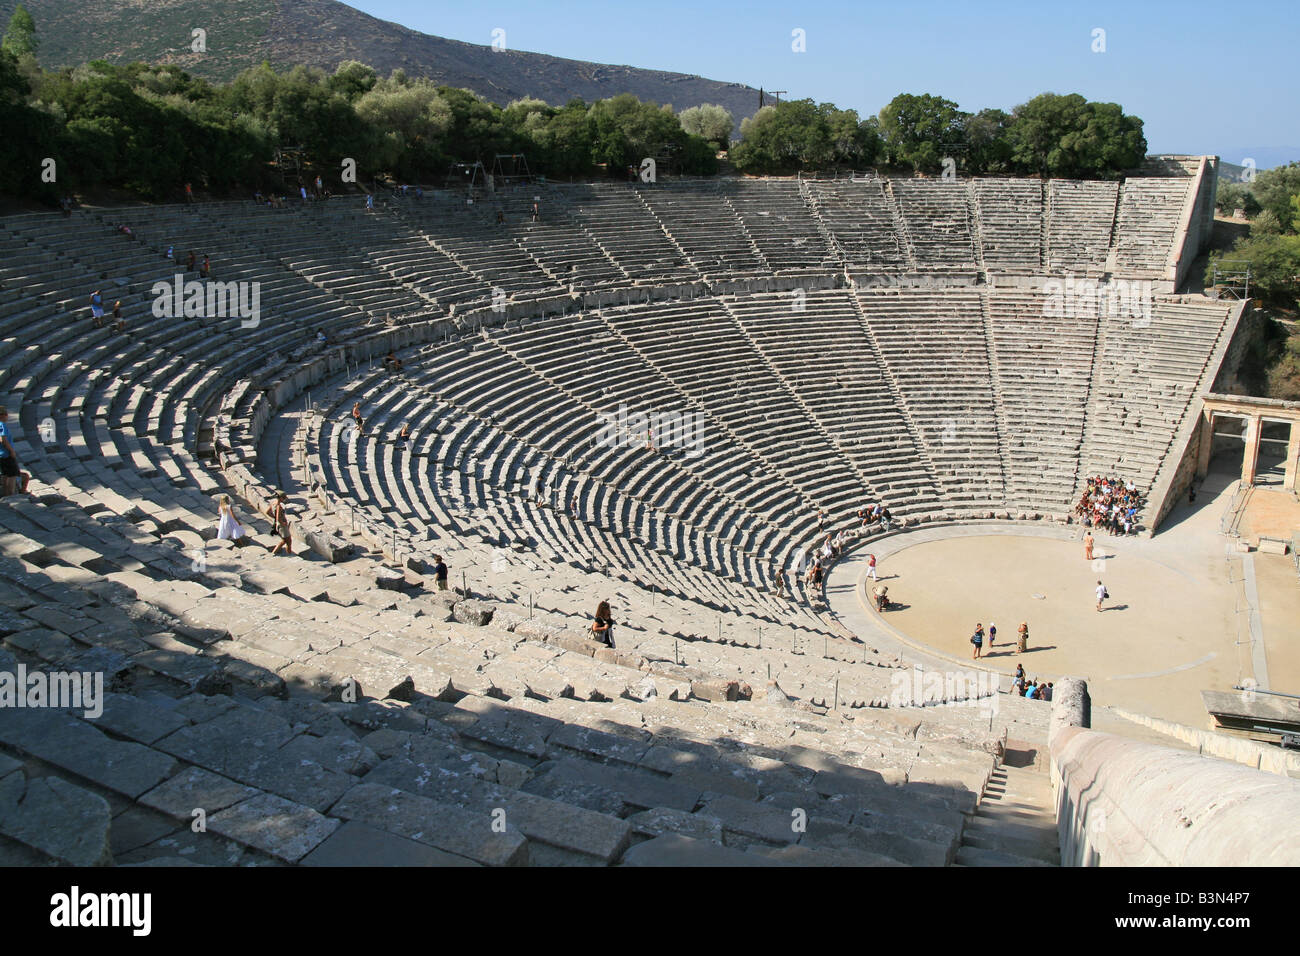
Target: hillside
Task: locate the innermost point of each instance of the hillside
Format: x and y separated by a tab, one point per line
322	33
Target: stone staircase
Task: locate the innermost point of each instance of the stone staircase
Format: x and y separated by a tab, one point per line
1015	823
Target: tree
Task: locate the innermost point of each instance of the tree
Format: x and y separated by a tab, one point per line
20	36
1273	189
1274	264
1055	135
920	130
1233	196
988	148
803	135
710	122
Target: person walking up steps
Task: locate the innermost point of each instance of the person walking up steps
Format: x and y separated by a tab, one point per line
280	521
602	625
1102	594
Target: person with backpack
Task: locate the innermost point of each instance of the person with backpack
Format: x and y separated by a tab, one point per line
602	625
1102	594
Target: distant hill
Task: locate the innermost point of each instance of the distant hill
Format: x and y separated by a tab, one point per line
322	33
1232	161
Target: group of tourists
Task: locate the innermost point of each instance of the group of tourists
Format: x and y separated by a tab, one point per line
97	311
977	639
1110	504
230	529
1029	687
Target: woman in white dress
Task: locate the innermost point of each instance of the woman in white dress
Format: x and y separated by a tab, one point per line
228	528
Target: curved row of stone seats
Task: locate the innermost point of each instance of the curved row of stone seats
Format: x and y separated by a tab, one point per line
817	343
862	218
620	224
473	463
1150	211
936	348
705	227
469	236
1080	225
781	223
1009	219
329	244
672	337
152	673
936	221
591	364
1044	372
520	363
1148	372
900	770
476	454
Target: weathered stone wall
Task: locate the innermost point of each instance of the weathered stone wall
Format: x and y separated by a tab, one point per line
1121	802
1199	227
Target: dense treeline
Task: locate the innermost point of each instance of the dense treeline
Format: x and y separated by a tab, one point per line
1051	135
149	129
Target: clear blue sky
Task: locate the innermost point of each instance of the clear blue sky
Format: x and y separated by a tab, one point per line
1205	77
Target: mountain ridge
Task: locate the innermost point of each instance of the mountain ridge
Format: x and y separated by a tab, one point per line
323	33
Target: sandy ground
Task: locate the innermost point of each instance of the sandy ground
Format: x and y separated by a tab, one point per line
1177	621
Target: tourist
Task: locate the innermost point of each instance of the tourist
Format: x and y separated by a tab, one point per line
993	633
1018	682
280	523
405	435
97	308
14	479
978	640
206	268
228	527
439	572
881	594
370	202
536	213
602	626
189	262
1031	687
1022	640
817	573
1102	594
501	217
871	567
189	193
1087	546
1046	690
118	321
